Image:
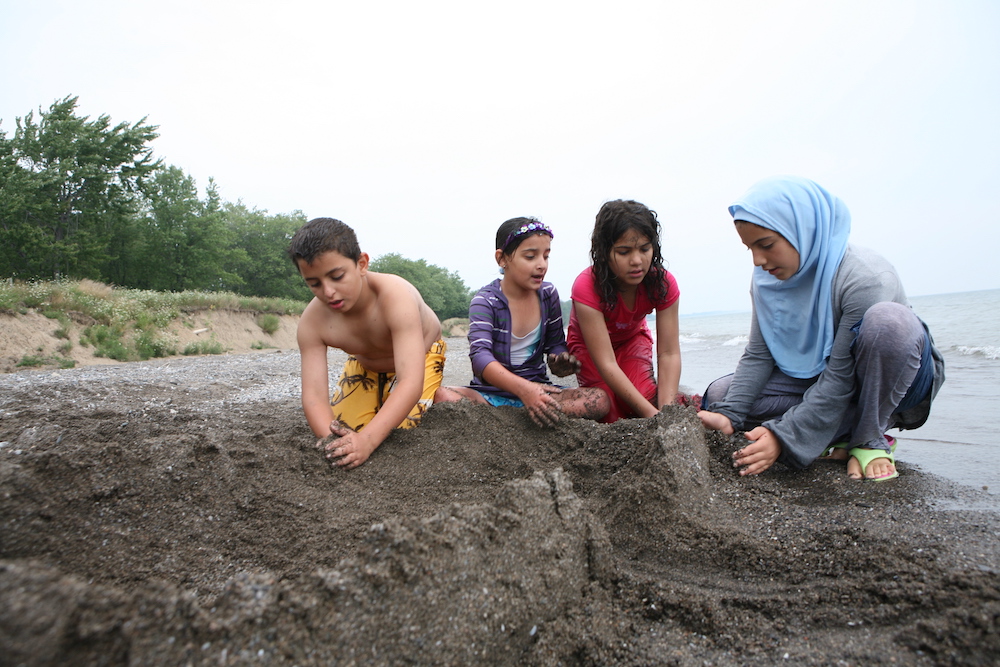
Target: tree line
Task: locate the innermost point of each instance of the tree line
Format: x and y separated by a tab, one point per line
85	198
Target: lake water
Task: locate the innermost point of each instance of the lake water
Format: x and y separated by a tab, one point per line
958	441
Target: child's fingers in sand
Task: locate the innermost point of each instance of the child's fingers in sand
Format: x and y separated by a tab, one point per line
347	448
714	421
349	451
542	407
760	454
546	416
339	429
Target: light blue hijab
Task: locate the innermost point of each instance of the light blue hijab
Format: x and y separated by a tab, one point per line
795	315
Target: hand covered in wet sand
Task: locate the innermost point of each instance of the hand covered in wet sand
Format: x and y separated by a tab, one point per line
563	364
760	454
542	408
345	447
714	421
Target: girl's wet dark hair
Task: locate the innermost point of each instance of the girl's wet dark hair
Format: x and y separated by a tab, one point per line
613	220
508	245
321	235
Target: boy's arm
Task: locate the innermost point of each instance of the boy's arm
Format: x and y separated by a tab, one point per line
315	379
403	318
668	355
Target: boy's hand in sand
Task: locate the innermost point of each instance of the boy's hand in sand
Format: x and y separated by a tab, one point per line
563	364
714	421
760	454
348	449
542	408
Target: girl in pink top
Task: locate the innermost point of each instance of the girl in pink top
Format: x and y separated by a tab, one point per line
611	299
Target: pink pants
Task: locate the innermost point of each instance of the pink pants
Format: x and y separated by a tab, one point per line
635	358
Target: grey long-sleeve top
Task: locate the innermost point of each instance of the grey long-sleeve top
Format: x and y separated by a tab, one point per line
863	279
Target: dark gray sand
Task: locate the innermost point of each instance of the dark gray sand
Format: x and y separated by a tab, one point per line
178	513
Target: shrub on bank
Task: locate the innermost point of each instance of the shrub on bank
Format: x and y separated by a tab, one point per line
130	324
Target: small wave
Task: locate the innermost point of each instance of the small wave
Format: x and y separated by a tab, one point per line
986	351
738	340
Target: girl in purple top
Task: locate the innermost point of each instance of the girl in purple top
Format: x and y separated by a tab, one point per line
515	325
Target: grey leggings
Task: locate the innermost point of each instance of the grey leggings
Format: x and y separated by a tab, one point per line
888	351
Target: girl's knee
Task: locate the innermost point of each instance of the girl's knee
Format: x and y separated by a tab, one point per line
600	402
447	395
888	314
585	402
889	331
717	390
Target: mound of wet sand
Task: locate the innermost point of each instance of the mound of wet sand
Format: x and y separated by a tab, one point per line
177	512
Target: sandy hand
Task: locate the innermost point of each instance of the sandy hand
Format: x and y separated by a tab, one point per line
345	447
563	364
542	408
763	450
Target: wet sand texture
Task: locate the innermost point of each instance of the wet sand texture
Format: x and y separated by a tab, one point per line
165	527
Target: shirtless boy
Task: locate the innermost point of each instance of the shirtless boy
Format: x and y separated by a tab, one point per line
396	360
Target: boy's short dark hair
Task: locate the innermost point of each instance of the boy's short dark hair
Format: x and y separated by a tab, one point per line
321	235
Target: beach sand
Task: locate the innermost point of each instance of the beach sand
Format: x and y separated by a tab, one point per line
177	512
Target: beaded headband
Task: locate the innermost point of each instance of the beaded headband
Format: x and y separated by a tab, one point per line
530	228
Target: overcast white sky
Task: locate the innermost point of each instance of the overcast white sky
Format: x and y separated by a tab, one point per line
424	125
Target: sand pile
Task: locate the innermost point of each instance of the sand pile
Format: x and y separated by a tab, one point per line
179	523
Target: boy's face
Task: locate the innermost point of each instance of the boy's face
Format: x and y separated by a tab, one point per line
335	280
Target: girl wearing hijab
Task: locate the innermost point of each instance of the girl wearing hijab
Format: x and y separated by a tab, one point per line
836	357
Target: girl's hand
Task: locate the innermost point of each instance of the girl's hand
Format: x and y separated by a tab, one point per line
542	408
563	364
714	421
760	454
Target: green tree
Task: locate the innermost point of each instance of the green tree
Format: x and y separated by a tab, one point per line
187	243
70	187
444	292
265	269
17	197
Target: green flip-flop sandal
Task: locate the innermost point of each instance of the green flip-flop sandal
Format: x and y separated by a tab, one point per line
866	456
